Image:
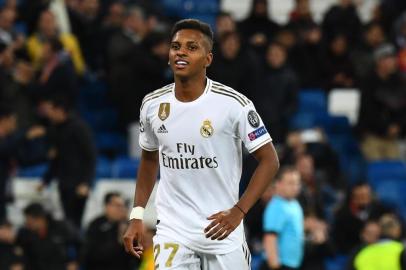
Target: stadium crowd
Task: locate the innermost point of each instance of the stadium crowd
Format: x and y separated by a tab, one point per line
47	61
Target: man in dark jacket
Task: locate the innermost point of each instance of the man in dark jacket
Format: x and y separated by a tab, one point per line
74	157
382	119
11	141
46	243
103	248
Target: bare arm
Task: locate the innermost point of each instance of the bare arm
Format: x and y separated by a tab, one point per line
271	250
147	174
268	165
224	222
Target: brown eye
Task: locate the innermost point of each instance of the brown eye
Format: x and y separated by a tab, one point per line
192	47
175	46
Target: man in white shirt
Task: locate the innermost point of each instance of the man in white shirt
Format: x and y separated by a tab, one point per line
194	129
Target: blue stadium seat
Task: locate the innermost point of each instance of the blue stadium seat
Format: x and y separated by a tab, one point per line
314	101
101	120
125	168
379	171
103	168
337	262
302	120
333	124
33	171
111	143
392	192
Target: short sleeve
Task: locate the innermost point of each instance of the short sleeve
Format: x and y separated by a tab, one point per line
147	140
251	129
274	218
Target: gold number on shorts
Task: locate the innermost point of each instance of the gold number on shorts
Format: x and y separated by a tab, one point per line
174	248
157	250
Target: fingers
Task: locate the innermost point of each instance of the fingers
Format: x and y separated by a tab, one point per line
130	248
211	225
220	233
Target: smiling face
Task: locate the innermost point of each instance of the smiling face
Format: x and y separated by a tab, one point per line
189	54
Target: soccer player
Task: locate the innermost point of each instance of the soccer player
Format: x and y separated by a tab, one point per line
194	129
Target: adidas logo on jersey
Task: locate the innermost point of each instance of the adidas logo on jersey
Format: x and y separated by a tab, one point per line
162	129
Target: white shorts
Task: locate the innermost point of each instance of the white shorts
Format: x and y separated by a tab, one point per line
169	254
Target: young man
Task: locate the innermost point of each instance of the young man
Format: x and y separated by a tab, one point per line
283	224
193	129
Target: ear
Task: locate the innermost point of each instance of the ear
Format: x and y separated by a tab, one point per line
209	59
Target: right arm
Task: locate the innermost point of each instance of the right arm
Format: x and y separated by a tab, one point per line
147	175
271	250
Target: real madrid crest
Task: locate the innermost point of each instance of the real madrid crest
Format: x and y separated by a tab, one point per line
206	130
164	110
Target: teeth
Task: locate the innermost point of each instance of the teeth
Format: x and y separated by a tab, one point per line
181	62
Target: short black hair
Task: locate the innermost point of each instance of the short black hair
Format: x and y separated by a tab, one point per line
109	196
59	101
194	24
282	171
35	210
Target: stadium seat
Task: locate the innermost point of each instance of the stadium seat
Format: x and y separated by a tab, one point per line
103	168
125	168
111	143
392	192
101	120
345	102
337	262
313	101
302	120
379	171
33	171
333	124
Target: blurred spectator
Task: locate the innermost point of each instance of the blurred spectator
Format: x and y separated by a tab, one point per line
224	24
258	29
11	255
73	158
382	119
342	19
307	58
48	29
337	66
388	253
57	76
301	15
388	11
103	248
47	243
235	65
86	26
7	34
276	99
370	234
6	69
124	54
313	142
155	71
10	142
254	221
362	57
352	216
283	224
287	37
30	11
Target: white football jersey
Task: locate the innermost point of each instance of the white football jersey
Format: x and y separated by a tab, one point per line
200	156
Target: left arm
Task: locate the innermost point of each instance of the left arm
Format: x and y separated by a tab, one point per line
224	222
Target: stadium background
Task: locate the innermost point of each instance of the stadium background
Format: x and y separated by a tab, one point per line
321	132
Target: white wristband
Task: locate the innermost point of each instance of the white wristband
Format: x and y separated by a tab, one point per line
137	213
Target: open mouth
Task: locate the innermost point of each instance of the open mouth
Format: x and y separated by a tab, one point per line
181	64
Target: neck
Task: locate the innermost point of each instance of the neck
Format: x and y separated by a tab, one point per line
187	90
